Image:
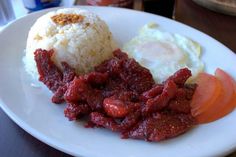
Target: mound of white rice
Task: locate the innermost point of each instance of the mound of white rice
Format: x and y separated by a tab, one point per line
82	45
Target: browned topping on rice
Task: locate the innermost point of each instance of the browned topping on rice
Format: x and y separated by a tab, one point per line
65	19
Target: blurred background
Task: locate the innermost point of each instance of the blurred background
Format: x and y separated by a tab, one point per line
13	9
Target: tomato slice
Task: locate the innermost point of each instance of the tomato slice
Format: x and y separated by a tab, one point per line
208	90
225	103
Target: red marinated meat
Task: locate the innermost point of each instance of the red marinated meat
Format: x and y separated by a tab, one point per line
80	90
95	100
137	78
180	106
129	121
118	108
100	120
190	90
151	93
127	96
96	78
58	96
182	100
115	85
115	108
161	126
68	73
181	76
121	104
77	90
68	76
121	95
74	110
160	101
49	73
133	76
113	67
119	54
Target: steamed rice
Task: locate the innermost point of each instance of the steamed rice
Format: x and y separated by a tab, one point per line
82	45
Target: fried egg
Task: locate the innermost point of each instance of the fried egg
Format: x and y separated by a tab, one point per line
164	53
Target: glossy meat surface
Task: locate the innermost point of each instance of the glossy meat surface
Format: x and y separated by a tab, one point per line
122	96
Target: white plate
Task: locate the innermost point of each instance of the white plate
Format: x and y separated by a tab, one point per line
30	107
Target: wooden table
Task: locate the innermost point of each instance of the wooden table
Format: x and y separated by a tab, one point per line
16	142
219	26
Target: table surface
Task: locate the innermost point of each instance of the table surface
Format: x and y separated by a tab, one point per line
220	26
16	142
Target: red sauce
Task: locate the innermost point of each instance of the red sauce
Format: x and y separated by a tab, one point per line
121	95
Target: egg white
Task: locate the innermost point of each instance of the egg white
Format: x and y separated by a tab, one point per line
163	53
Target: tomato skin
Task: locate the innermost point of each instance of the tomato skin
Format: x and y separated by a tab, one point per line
222	105
227	101
208	90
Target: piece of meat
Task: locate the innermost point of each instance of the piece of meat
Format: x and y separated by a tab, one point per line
153	92
68	76
95	100
137	78
162	126
121	95
68	72
78	90
115	84
74	110
161	101
127	96
129	121
101	120
58	96
182	100
115	108
181	76
119	54
96	78
180	106
49	73
133	76
120	105
190	88
113	67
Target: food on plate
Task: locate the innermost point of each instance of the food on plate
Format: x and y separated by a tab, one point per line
163	53
78	37
208	90
122	96
74	54
215	96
